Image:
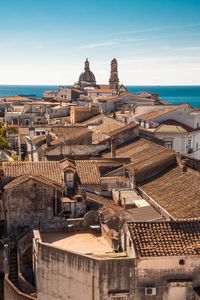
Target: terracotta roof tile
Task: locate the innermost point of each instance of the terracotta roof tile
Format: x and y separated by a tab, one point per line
177	192
138	150
122	129
48	169
88	172
16	98
23	178
166	238
173	126
102	90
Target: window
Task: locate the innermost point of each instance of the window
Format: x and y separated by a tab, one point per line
119	297
27	122
69	179
189	145
189	142
168	144
197	124
197	145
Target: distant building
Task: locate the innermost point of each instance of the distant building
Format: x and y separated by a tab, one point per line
177	125
114	79
87	78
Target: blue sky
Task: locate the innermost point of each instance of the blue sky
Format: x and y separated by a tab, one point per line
156	42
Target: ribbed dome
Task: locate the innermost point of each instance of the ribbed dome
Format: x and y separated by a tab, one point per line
87	75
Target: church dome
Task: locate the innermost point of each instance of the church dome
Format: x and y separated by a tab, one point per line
87	75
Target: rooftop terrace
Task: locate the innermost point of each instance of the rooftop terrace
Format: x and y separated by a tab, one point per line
82	242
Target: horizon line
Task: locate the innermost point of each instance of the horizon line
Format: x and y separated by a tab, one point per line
68	85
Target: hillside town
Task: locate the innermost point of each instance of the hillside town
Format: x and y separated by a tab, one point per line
99	194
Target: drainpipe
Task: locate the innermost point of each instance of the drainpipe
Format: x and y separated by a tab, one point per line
56	202
113	148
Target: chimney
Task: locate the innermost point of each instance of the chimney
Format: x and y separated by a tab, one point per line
113	148
48	139
124	203
183	166
178	159
181	163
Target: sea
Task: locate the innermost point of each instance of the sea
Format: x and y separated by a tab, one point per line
171	94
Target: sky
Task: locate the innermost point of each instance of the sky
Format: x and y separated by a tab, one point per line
156	42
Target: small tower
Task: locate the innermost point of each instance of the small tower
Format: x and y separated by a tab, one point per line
87	65
114	79
87	78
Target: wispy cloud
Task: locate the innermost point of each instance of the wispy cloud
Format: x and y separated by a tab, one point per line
155	29
186	49
161	59
97	45
115	42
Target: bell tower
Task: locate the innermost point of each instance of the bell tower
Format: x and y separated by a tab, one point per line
114	79
87	65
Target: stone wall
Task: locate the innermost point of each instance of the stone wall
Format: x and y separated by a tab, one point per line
66	275
79	113
11	292
29	204
161	272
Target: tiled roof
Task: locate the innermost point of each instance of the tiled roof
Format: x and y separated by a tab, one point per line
122	129
16	98
23	178
113	179
166	238
98	119
67	133
66	163
162	155
102	90
173	126
138	150
177	192
107	126
88	172
145	213
48	169
102	201
156	113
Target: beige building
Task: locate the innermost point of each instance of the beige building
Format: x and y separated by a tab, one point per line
166	258
84	263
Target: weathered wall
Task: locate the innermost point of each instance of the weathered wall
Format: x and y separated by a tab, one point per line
29	204
12	293
159	271
66	275
79	113
126	135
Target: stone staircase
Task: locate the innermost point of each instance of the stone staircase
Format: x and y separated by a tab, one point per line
13	273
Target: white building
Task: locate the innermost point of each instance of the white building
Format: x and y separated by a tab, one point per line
178	125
